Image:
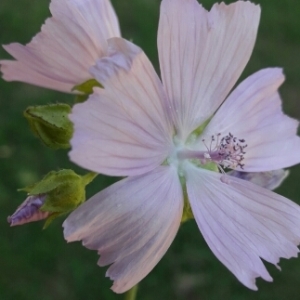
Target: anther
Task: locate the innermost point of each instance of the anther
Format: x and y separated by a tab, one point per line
227	151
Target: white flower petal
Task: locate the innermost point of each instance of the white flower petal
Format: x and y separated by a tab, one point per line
123	129
253	112
202	54
131	224
243	222
70	42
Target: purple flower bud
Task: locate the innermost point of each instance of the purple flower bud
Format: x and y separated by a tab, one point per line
29	211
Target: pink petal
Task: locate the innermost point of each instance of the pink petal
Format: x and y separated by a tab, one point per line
17	71
97	16
123	129
69	43
270	180
243	222
253	112
202	54
131	224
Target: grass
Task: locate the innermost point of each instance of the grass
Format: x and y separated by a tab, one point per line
39	265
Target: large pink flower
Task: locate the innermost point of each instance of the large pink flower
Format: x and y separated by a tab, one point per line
70	42
152	132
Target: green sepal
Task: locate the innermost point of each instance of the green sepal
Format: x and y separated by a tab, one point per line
187	213
197	132
51	217
65	191
211	166
86	89
81	98
51	124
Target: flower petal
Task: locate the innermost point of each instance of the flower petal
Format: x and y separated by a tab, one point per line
253	112
70	42
131	224
123	129
270	180
17	71
202	54
243	222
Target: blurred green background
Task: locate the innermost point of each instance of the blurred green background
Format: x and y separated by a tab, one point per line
39	265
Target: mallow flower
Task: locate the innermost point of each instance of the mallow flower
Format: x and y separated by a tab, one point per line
70	42
174	141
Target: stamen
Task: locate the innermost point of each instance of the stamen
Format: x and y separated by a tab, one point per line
227	152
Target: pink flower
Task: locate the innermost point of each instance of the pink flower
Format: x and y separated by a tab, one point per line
70	42
152	132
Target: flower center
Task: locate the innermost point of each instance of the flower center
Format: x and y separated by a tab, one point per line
227	151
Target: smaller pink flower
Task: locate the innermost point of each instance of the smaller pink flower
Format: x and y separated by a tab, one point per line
176	137
70	42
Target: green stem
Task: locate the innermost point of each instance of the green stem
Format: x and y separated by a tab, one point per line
131	294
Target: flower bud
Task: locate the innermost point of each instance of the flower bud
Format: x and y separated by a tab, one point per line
29	211
51	124
56	194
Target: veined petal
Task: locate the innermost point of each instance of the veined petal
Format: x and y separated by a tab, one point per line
18	71
243	222
122	130
202	54
98	16
131	224
70	42
270	180
127	73
253	112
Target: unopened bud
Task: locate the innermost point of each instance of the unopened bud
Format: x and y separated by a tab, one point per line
29	211
51	124
56	194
